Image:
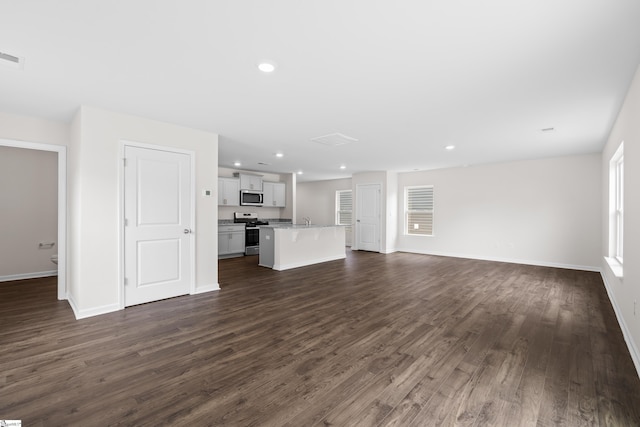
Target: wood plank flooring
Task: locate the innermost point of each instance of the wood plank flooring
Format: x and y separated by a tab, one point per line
373	340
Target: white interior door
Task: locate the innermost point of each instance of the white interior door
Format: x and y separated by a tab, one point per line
368	217
157	205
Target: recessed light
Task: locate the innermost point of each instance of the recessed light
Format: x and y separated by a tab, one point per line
449	147
279	155
343	167
267	67
236	164
299	172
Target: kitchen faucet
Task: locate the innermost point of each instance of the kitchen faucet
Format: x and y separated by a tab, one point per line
307	221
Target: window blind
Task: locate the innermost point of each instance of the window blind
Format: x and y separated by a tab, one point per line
419	210
344	204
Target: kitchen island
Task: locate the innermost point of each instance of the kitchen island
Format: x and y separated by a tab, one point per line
286	246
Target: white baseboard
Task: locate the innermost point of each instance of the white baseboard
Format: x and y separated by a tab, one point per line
90	312
110	308
381	251
23	276
507	260
628	339
206	288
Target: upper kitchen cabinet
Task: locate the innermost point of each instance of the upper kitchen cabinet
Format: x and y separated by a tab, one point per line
228	191
274	194
249	182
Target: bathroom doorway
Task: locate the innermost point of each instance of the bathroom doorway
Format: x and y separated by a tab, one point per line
61	242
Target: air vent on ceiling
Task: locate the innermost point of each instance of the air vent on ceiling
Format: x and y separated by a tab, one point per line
334	139
11	60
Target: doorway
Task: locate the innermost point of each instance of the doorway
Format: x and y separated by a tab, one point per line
62	204
158	220
368	210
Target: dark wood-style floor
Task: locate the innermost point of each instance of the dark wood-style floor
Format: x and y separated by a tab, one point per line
399	339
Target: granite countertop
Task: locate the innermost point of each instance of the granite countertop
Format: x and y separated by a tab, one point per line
275	221
299	226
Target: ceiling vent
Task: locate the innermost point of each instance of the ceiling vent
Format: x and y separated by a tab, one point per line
11	60
334	139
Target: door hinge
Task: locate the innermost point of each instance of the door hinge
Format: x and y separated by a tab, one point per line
126	222
126	281
124	161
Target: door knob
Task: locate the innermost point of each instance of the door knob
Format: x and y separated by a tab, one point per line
187	231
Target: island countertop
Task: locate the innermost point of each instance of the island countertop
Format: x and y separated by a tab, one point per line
297	226
285	246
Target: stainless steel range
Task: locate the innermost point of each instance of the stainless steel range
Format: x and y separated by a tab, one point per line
252	231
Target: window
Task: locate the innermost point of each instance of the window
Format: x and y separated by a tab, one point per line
344	207
419	210
616	205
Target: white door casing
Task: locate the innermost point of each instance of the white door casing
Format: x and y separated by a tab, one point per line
368	216
158	216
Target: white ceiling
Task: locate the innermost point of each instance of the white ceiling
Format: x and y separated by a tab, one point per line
405	78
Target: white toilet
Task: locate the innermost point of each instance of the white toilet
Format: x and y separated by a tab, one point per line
54	259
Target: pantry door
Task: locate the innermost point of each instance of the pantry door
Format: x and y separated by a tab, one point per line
158	196
368	217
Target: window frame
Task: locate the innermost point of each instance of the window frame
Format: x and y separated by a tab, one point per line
338	211
616	205
407	211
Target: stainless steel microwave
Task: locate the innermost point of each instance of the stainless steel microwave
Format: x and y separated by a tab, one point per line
251	198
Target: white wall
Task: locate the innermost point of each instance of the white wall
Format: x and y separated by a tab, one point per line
544	212
392	200
32	129
74	197
317	200
624	292
28	213
289	211
94	199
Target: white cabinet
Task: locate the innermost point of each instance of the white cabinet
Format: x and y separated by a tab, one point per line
228	191
274	194
250	182
230	240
